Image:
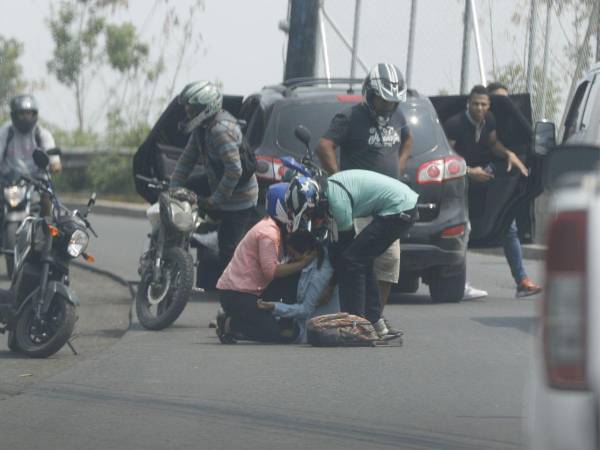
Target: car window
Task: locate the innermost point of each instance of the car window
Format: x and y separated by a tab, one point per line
575	111
255	130
317	117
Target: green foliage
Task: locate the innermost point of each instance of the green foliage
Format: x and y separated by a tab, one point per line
125	51
11	72
514	76
111	173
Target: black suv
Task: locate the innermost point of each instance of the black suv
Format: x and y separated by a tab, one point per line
435	250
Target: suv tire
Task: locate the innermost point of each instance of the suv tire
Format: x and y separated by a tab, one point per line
445	287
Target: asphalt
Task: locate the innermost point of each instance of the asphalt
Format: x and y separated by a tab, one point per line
458	382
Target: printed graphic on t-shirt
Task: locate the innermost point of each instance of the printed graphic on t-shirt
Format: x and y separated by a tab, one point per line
384	136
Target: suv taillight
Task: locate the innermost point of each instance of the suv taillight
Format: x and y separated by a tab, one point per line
440	170
564	308
270	168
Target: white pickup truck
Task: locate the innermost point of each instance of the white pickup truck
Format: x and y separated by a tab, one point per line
564	403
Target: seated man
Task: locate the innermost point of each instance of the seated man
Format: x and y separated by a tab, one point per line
315	293
472	133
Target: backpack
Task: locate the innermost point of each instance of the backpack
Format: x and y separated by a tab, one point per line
11	135
247	160
341	330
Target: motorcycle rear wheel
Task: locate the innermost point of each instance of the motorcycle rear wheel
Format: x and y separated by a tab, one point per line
42	341
180	265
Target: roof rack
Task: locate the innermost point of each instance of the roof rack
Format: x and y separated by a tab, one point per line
310	81
294	83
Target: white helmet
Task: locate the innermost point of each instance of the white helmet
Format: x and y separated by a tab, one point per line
206	99
385	81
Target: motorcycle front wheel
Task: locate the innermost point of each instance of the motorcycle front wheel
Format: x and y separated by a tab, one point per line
10	238
41	339
158	306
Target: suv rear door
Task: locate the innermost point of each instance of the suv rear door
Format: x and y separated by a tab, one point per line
492	207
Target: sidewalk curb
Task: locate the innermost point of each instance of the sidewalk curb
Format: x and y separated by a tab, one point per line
107	207
530	251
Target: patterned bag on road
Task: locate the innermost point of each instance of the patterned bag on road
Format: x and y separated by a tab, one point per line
341	330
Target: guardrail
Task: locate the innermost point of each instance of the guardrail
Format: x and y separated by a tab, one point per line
80	157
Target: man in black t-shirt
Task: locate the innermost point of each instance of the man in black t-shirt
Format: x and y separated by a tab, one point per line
373	135
472	133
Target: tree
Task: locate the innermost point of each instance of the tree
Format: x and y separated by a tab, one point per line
87	44
11	72
513	75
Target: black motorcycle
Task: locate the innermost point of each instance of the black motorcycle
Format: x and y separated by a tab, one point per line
166	266
39	310
19	201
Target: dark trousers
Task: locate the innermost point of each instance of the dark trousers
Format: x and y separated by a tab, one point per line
253	323
359	291
233	224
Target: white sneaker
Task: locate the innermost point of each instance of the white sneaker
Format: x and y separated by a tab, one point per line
381	328
472	293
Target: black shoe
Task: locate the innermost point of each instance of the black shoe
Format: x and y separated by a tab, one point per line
225	338
392	331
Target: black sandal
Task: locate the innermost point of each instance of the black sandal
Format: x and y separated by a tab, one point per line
224	337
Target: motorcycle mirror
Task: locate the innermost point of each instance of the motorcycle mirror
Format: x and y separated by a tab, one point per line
54	151
92	200
41	159
303	134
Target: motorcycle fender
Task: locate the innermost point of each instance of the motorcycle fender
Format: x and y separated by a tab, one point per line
54	287
16	216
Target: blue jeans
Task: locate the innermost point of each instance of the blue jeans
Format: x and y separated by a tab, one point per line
513	253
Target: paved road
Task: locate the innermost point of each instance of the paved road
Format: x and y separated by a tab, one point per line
457	383
103	319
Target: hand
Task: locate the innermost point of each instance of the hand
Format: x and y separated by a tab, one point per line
55	167
266	306
513	160
206	203
478	175
307	258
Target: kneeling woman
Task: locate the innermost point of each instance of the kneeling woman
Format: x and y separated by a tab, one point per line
254	265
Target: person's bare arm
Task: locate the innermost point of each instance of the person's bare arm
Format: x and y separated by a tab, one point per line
327	157
404	152
502	152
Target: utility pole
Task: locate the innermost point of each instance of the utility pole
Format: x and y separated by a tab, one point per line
302	40
355	40
411	42
598	36
464	71
531	55
545	63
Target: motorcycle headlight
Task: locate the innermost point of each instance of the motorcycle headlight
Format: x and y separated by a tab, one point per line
181	216
78	242
14	195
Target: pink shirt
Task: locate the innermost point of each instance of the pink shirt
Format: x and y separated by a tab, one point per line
255	259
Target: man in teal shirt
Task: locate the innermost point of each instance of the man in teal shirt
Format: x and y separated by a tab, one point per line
351	194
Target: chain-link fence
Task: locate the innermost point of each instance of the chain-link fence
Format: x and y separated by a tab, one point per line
560	35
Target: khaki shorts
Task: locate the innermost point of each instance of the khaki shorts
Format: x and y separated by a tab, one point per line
387	265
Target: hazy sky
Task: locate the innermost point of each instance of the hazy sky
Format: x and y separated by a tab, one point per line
243	47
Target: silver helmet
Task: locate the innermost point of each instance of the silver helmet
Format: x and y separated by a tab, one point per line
19	104
386	82
206	100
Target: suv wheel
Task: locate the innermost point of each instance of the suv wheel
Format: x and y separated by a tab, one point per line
447	284
407	283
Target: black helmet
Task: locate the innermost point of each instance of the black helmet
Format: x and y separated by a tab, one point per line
385	81
19	104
